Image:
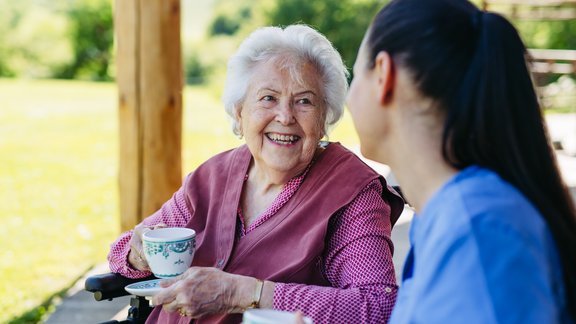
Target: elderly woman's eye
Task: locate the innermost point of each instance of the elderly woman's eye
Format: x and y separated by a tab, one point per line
267	98
304	101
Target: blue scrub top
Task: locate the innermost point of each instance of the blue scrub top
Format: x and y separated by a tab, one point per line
481	253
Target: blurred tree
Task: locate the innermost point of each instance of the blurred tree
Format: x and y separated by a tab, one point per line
560	34
225	24
92	36
195	69
9	15
539	33
33	40
548	34
205	59
230	16
344	22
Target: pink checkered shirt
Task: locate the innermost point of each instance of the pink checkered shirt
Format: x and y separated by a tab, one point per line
357	259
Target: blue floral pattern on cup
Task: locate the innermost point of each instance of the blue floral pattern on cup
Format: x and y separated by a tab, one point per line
153	248
169	251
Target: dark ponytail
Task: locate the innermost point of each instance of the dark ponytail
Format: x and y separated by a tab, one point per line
473	64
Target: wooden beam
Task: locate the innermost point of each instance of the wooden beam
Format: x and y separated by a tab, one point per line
546	61
544	14
149	77
161	106
553	68
533	9
126	25
536	3
552	54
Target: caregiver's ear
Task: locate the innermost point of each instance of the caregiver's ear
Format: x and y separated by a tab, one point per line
386	72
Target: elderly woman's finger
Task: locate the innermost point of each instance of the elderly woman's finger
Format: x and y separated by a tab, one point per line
165	283
140	229
299	318
161	225
136	257
201	291
165	296
137	260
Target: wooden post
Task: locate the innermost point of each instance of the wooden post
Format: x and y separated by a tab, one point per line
149	77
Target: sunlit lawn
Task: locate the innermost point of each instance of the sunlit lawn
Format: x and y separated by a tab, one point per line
58	202
58	180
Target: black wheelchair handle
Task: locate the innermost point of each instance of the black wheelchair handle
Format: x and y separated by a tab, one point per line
109	285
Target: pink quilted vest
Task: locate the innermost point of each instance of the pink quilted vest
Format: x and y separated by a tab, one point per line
287	247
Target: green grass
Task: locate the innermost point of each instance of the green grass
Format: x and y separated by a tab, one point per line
58	202
58	181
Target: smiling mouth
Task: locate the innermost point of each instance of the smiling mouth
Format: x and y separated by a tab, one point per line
283	139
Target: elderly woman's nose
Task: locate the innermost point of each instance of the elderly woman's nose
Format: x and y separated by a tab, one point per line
285	113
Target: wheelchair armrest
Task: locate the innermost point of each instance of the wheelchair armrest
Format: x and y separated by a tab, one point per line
109	285
399	191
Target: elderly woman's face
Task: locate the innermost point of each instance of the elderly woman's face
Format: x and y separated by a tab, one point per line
283	119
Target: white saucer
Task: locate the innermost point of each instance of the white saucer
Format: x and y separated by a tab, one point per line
144	288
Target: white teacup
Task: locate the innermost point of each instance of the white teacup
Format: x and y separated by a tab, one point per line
270	316
169	251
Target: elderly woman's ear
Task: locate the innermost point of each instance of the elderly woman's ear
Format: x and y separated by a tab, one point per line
238	121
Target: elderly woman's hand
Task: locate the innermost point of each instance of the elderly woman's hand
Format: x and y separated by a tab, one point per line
203	291
136	257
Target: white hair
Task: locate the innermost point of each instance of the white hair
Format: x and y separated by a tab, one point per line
296	41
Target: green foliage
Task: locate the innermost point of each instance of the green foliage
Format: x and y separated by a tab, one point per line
559	34
548	34
91	34
43	39
224	25
344	22
196	16
7	15
196	71
38	314
33	40
205	60
230	16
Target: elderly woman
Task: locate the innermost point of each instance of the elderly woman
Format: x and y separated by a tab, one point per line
286	221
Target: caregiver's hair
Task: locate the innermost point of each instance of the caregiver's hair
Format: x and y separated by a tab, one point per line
472	64
294	44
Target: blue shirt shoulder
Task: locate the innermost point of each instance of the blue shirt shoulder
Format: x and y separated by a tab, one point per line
481	253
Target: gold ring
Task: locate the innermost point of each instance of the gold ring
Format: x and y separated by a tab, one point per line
183	313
